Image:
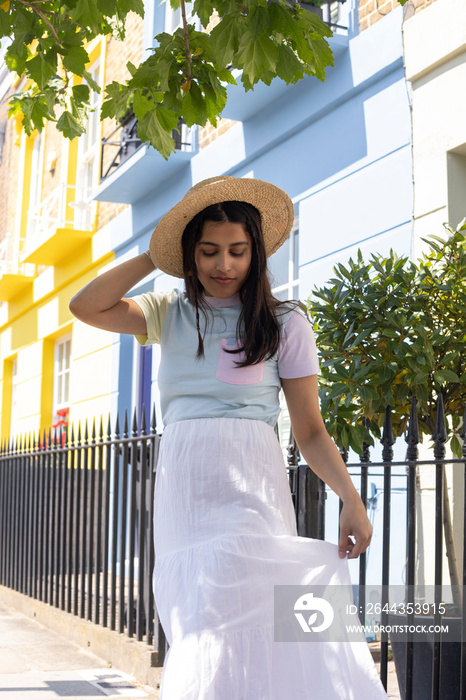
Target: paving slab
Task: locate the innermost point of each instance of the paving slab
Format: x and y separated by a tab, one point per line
38	664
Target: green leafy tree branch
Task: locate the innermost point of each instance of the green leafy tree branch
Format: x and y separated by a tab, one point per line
185	76
388	330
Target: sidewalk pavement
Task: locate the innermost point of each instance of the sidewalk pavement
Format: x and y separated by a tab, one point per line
38	664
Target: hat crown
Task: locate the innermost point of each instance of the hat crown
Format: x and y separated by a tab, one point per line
273	204
208	181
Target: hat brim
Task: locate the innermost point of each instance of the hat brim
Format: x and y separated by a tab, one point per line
274	205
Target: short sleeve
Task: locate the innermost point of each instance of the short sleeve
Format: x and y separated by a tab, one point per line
154	306
297	353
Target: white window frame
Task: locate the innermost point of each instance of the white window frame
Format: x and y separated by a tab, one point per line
87	167
291	286
14	396
35	186
59	373
173	18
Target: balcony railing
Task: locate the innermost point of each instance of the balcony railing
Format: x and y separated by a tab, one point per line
125	140
328	12
9	258
56	211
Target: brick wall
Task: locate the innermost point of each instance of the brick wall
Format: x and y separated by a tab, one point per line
209	133
10	187
5	171
118	55
370	11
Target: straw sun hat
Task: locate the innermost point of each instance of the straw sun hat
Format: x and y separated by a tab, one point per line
274	206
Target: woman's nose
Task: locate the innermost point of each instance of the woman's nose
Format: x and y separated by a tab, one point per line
223	262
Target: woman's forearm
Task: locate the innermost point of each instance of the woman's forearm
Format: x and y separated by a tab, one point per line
106	290
321	454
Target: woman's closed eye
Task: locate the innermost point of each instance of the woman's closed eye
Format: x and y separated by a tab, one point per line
211	254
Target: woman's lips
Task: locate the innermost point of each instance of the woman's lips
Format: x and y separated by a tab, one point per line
223	280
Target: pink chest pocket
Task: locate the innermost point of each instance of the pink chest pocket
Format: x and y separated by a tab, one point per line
229	372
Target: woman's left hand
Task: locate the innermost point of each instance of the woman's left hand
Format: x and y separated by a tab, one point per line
355	529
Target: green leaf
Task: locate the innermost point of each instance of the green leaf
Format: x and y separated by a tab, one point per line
256	58
69	126
225	39
81	93
284	23
87	14
156	127
39	113
289	68
116	102
141	105
41	68
258	21
90	81
445	375
75	59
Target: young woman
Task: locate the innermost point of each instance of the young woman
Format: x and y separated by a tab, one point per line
225	531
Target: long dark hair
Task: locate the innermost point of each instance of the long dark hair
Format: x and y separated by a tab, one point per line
258	331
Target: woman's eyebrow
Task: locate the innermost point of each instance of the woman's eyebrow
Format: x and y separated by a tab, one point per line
230	245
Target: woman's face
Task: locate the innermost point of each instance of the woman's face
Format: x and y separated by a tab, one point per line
223	258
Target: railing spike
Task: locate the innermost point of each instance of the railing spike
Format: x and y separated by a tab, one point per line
93	432
125	424
366	455
143	421
86	432
412	437
463	434
78	436
387	439
292	451
344	454
134	428
439	436
153	422
117	426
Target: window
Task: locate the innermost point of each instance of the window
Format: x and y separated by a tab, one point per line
87	172
142	382
35	186
61	380
173	17
284	267
14	397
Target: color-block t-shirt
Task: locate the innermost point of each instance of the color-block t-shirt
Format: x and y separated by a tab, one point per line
214	386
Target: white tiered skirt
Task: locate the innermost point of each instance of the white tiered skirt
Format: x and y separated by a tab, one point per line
225	534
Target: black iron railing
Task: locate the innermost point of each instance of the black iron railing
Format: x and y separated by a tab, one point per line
123	142
443	675
326	11
76	525
76	528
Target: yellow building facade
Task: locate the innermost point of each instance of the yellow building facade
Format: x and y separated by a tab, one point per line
53	240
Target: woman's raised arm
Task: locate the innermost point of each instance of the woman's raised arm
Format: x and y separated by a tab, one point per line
321	454
102	302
